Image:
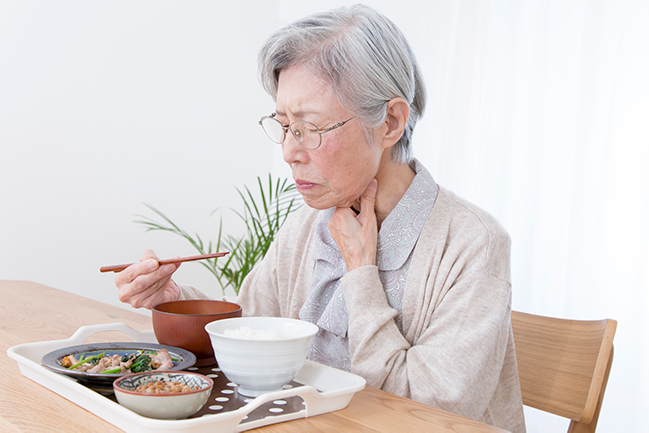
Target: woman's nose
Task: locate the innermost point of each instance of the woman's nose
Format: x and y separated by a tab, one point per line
292	150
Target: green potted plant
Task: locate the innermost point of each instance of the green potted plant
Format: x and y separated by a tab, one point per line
263	215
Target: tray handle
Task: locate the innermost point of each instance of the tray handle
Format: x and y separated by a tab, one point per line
82	334
307	392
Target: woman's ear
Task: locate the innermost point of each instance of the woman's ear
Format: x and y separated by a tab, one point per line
397	113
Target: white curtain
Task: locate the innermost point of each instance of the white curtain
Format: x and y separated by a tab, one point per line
538	111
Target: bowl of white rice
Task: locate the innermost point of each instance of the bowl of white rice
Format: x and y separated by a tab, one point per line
260	354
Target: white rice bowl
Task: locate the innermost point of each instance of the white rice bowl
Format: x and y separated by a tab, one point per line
260	354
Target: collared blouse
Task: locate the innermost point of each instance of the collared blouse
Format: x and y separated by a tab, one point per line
397	238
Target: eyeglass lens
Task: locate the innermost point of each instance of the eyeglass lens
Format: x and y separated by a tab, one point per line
273	129
304	132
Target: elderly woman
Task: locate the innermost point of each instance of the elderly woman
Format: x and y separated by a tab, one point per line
408	283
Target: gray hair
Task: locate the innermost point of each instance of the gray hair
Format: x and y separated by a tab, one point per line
362	54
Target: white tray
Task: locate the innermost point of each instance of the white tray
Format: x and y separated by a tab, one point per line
324	389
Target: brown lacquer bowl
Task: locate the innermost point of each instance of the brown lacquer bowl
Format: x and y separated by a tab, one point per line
182	324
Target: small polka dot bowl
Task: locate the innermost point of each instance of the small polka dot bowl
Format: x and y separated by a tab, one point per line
260	354
163	394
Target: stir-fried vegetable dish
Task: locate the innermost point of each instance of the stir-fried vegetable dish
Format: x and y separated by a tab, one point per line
136	362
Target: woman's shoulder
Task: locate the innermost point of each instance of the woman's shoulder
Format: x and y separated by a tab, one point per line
299	223
304	215
467	233
453	210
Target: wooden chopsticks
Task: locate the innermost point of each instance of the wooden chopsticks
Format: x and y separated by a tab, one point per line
119	268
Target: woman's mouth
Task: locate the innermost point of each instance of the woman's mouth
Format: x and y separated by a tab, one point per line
304	185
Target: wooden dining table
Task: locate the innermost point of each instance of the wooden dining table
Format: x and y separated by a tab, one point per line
32	312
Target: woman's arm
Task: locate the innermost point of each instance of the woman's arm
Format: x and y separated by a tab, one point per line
453	364
455	317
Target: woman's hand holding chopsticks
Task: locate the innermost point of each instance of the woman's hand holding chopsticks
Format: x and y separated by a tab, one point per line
146	283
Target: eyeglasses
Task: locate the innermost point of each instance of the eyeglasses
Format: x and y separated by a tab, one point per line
306	133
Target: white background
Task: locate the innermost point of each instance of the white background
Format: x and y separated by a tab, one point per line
537	111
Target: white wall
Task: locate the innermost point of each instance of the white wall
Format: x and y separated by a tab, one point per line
105	106
537	112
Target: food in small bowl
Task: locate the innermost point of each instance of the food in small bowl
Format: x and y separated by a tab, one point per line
164	394
260	354
182	324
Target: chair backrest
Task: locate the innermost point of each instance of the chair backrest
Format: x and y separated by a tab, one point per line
564	365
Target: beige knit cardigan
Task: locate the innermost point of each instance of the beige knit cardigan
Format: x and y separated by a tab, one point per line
456	351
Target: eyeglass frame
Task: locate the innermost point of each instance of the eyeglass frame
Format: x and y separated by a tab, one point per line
288	128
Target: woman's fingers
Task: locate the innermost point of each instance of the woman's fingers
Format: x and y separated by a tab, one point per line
149	298
356	235
146	283
368	200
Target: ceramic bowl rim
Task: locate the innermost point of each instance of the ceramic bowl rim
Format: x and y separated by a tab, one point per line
313	332
117	382
156	310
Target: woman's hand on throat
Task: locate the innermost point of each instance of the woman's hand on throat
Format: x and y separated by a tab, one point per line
356	233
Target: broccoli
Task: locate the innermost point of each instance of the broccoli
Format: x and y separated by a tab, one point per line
141	364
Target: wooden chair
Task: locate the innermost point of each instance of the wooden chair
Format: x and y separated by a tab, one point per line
564	366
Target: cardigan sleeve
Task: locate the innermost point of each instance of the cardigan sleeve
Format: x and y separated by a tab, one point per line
189	292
